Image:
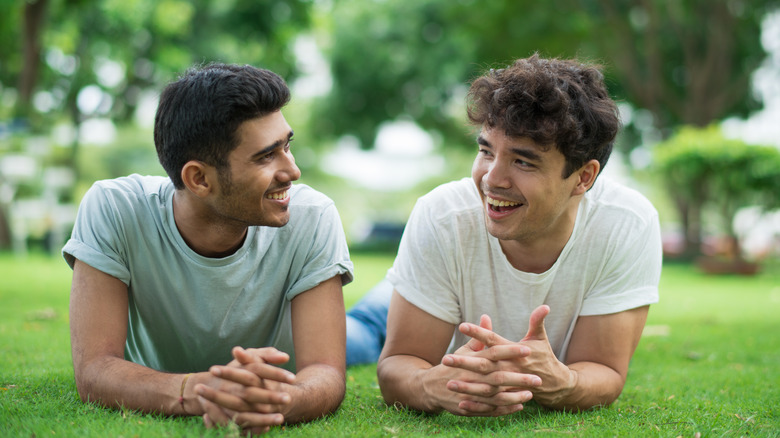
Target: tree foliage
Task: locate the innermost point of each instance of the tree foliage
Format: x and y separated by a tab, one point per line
82	59
687	62
149	41
413	58
704	170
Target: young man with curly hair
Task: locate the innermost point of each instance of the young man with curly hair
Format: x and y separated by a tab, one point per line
543	272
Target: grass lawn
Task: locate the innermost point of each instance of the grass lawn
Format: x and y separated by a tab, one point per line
709	364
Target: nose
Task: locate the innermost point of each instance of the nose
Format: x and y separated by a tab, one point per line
497	175
289	171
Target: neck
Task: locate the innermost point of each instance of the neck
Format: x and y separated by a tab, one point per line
201	231
538	253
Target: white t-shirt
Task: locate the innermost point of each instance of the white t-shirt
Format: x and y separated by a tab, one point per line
449	265
187	311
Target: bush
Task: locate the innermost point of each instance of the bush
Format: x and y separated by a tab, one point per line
703	170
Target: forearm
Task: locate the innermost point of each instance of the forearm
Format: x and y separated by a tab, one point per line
318	391
117	383
591	384
410	381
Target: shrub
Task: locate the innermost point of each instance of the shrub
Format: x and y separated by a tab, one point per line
703	170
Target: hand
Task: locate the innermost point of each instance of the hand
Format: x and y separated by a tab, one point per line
547	378
558	380
476	373
248	391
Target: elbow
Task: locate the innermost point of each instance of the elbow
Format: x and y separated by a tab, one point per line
84	388
87	375
385	381
338	398
338	392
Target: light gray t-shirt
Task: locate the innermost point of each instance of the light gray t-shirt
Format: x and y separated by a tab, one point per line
186	311
449	265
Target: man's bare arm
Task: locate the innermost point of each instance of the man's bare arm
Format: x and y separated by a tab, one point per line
599	353
319	335
596	367
410	372
98	326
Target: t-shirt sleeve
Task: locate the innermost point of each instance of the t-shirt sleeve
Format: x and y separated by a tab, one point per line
96	238
631	276
327	256
424	271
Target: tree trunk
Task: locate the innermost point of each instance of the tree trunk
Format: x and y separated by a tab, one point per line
34	13
5	230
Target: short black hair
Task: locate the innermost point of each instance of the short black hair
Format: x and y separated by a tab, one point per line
199	114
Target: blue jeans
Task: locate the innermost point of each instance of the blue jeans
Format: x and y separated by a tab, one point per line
367	325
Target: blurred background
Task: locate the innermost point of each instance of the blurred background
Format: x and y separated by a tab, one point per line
378	102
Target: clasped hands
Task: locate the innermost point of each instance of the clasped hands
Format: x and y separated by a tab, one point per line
249	391
493	376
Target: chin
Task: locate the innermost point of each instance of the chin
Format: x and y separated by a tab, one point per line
280	222
500	233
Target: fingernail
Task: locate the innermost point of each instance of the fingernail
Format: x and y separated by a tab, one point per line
446	360
278	419
537	381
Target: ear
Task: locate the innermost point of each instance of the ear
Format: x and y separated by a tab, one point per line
197	178
586	176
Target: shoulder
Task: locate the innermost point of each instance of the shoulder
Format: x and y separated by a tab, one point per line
129	194
131	199
612	202
305	198
131	187
619	221
456	199
311	210
448	215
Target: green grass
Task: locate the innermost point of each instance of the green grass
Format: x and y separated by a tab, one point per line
711	366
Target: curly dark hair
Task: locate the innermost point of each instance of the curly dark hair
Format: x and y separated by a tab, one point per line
560	103
199	114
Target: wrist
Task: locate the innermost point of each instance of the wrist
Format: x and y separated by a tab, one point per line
433	382
188	403
562	397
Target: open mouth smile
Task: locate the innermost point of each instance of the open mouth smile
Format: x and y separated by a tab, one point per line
500	206
277	196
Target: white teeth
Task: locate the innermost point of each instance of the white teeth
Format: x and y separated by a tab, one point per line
281	195
497	203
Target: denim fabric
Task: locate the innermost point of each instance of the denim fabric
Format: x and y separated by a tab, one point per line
367	325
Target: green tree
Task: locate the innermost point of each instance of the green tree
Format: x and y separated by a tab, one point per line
116	49
687	62
704	171
72	43
413	58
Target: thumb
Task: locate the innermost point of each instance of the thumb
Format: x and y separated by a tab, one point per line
486	323
262	355
242	356
536	324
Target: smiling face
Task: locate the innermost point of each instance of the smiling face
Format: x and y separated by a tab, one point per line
254	189
525	198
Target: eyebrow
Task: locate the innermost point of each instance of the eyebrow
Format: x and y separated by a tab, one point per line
523	152
274	145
